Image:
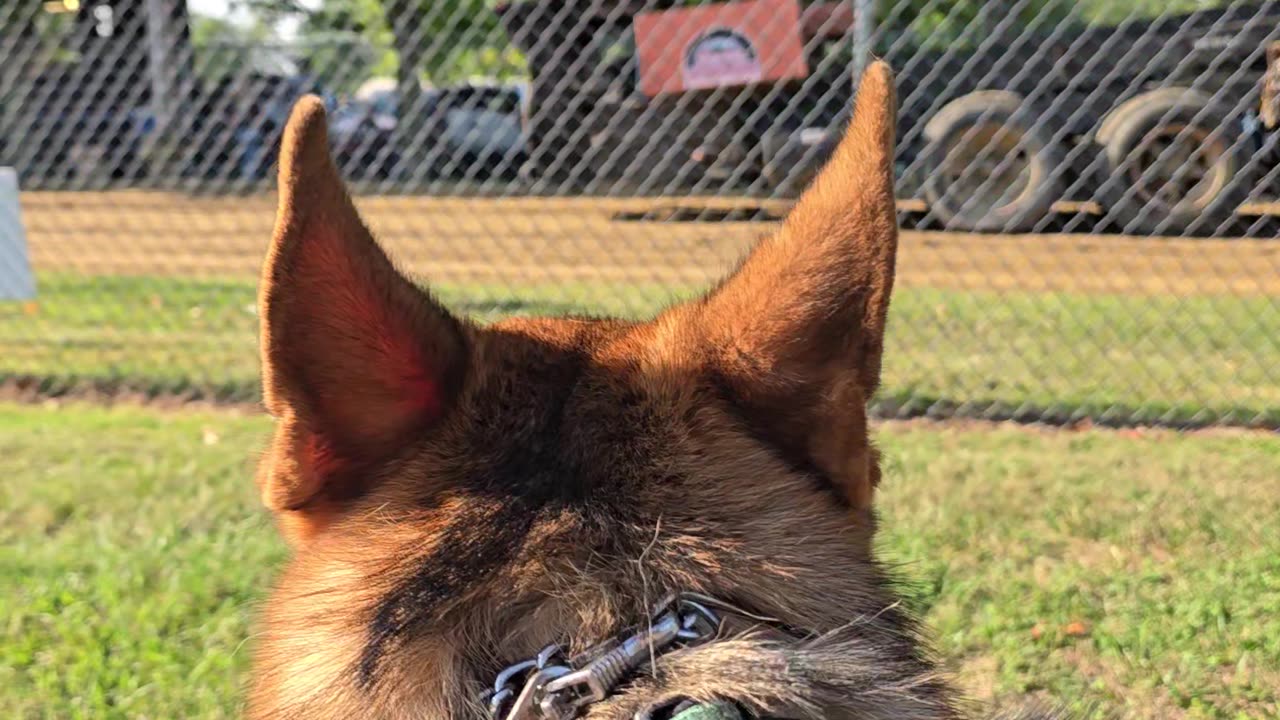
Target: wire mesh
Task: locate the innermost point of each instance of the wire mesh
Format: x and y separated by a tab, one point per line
1088	191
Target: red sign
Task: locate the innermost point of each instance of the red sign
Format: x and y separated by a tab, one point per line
721	45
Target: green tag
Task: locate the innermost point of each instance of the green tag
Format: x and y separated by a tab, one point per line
710	711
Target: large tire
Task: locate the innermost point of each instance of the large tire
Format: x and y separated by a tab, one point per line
991	165
951	113
1171	164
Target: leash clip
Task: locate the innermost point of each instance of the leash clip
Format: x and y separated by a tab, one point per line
560	692
594	682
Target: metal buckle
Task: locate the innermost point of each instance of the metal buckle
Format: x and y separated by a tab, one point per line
503	690
594	682
560	692
532	701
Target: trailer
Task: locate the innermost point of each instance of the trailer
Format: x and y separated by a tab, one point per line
672	96
1162	122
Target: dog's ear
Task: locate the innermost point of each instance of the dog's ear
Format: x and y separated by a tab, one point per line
799	328
355	357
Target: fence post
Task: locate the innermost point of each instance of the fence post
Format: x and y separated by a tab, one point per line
170	67
16	281
159	55
864	20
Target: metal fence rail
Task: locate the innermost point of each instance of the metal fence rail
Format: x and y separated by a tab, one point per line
1088	190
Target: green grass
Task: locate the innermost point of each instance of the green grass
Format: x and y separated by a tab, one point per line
132	552
1176	359
133	549
1162	546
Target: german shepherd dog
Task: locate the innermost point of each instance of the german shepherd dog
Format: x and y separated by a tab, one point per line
663	512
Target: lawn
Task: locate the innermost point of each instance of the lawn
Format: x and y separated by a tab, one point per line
1138	570
1198	358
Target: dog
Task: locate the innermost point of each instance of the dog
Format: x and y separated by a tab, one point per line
670	513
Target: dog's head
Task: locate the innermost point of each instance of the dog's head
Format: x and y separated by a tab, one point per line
458	496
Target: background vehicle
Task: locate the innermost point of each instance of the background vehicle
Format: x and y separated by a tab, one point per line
591	121
1154	120
76	92
470	130
238	122
479	126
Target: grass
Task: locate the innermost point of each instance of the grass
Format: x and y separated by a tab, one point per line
1137	571
1140	571
131	554
1174	359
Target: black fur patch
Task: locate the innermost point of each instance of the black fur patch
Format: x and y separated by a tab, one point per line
547	439
473	548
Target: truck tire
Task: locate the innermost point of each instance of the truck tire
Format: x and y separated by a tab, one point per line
991	165
950	113
1118	116
1171	164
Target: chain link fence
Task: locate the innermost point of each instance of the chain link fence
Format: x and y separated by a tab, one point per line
1087	189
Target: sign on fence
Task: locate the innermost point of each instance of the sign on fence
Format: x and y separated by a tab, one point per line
16	281
719	45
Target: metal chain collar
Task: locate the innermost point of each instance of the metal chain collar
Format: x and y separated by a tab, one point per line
551	686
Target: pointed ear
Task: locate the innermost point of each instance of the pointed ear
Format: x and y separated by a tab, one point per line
799	328
355	358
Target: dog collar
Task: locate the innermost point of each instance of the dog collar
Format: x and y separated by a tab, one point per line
707	711
552	686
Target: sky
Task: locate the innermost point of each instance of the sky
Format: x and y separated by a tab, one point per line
215	8
221	8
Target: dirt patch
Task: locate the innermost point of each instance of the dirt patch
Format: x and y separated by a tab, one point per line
532	240
977	677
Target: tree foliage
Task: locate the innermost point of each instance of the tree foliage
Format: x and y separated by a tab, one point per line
443	41
433	40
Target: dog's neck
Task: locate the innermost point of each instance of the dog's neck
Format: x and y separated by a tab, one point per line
848	648
759	663
854	672
552	685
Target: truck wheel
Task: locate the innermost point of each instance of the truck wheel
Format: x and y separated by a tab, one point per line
991	167
1172	164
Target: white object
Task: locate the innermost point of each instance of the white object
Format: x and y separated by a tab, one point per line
16	281
812	135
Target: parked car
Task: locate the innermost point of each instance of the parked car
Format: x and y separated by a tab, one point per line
471	130
362	132
482	125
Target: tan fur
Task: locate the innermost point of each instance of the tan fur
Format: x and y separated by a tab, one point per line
343	336
459	497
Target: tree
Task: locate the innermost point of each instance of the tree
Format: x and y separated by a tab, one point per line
415	26
331	34
439	40
19	45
